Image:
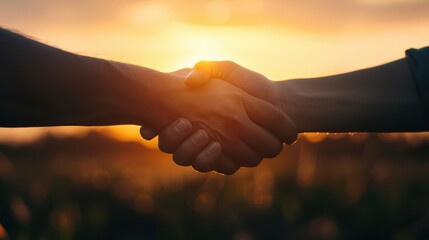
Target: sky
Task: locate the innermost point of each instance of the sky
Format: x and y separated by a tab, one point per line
312	14
282	39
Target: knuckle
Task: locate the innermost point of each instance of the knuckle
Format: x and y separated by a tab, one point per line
274	115
236	97
235	114
224	68
227	63
235	119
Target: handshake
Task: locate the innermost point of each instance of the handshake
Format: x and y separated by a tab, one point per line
223	117
218	116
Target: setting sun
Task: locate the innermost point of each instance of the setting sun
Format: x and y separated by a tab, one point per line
201	48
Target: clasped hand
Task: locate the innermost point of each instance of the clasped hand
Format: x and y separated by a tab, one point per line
220	117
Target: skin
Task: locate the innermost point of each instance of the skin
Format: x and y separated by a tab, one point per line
379	99
231	117
45	86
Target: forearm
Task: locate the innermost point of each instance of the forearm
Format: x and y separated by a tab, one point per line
44	86
380	99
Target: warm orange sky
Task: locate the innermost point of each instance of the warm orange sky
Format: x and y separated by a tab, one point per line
279	38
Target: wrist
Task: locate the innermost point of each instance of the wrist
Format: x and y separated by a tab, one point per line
289	101
136	93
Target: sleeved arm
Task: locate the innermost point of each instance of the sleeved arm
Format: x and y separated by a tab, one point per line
418	60
45	86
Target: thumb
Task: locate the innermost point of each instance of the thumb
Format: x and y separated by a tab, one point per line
196	78
271	118
251	82
204	71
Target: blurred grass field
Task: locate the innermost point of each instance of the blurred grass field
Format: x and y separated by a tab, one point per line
323	187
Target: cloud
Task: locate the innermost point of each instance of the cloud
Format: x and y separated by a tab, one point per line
322	15
61	12
319	14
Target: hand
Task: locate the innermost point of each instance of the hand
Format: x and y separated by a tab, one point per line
246	127
186	152
251	82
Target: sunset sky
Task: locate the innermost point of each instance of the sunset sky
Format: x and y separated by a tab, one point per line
280	38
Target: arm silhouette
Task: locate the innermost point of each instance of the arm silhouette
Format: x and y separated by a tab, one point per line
389	98
44	86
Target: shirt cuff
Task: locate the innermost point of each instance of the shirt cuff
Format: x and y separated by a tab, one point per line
418	60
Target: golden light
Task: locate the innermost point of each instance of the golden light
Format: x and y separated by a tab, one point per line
149	14
202	48
387	2
130	133
169	35
218	12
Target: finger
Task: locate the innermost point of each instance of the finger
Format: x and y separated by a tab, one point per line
206	70
225	165
271	118
197	77
241	154
172	136
206	159
261	141
190	148
147	133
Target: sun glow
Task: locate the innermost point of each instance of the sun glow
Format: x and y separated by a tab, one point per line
202	48
170	35
130	133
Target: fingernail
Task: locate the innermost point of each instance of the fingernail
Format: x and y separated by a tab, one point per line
181	126
200	138
193	78
190	74
214	149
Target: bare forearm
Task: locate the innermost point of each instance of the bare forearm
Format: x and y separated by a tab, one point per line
44	86
380	99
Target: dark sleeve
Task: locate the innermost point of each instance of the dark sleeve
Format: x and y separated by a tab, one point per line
418	60
45	86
